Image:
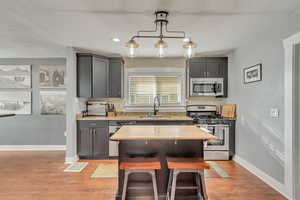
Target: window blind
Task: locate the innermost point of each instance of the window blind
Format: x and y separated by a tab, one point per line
143	89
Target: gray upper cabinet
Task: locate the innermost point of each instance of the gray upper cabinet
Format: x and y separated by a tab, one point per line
115	77
197	69
98	76
209	67
213	69
84	76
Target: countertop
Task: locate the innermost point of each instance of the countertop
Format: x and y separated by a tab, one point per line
183	132
138	117
7	115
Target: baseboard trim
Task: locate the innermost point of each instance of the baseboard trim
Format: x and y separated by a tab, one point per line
70	160
32	147
262	175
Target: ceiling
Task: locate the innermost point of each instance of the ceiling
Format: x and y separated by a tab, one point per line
46	27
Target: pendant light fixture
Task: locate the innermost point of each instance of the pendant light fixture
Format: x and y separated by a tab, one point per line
161	26
161	46
132	45
189	46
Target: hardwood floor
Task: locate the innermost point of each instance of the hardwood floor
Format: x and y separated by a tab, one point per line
32	175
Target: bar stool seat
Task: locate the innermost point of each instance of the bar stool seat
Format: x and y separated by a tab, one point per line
140	165
187	165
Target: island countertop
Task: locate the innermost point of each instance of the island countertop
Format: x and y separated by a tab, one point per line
181	132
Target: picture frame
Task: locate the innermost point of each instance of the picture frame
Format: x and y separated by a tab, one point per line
15	77
52	76
16	102
253	74
53	102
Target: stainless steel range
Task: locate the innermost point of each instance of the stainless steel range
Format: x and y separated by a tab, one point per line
205	117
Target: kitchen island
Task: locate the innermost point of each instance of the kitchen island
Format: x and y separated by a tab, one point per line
159	141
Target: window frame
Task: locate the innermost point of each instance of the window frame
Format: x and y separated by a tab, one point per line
155	72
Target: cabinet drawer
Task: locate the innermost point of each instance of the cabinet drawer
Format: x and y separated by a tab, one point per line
91	123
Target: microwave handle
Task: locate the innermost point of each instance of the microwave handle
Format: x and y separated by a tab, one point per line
215	88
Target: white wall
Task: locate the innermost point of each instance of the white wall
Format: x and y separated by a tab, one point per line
297	137
31	50
259	137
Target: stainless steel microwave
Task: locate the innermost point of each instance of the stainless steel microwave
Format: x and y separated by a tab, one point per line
206	87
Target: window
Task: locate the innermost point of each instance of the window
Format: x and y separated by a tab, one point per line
143	89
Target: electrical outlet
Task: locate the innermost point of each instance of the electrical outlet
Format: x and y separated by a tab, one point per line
274	112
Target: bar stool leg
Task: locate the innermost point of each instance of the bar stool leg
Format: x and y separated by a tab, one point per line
174	180
203	188
197	177
125	184
154	184
169	184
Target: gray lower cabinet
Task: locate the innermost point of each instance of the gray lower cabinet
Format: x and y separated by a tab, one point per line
92	139
100	142
84	142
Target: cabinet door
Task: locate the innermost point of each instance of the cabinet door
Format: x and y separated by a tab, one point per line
100	142
213	70
84	76
115	78
224	72
84	143
100	77
197	69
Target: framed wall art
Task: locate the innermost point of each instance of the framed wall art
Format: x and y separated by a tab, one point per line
53	102
52	76
15	76
15	102
253	74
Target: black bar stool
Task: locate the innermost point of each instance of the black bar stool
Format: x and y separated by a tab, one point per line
187	165
140	165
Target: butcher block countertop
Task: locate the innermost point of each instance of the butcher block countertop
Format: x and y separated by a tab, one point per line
139	117
182	132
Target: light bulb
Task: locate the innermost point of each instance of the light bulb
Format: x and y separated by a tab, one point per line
161	46
161	52
131	52
132	45
189	49
189	52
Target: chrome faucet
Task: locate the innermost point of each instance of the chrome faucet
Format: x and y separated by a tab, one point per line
156	104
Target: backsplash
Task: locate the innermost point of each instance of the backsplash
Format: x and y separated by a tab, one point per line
205	101
119	103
